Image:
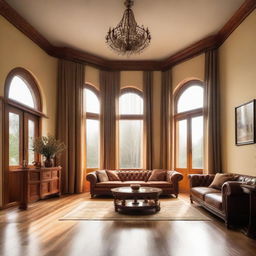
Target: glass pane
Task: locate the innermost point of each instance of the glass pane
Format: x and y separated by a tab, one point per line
131	132
191	98
181	144
197	142
14	139
131	103
92	143
20	92
31	137
91	100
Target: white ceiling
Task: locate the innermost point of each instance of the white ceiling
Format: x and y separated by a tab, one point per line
83	24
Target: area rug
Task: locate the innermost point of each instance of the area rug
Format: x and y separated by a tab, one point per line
103	210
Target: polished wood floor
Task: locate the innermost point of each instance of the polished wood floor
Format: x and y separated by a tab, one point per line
38	232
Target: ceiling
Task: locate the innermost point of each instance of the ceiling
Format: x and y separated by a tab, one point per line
83	24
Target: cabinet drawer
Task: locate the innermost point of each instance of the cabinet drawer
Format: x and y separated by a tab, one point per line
47	175
55	174
34	176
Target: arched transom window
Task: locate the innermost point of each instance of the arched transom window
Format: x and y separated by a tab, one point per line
92	120
131	129
189	132
22	117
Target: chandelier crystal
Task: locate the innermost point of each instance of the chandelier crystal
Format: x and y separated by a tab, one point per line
127	37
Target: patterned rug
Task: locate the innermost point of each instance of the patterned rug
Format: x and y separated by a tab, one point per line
103	210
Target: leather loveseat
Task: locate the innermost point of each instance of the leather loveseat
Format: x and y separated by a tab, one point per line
229	203
127	177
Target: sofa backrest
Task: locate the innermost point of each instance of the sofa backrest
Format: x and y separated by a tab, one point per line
134	175
246	179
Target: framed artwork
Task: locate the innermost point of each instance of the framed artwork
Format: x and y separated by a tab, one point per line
245	123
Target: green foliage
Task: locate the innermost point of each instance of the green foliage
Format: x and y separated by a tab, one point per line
48	146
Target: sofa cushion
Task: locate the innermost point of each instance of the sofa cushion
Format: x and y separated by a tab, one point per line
214	199
200	192
110	184
112	175
159	184
220	179
102	175
127	183
158	175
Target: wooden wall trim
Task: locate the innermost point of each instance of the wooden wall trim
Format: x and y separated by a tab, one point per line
196	48
191	51
240	15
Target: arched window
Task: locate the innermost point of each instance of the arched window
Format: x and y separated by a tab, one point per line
189	132
22	113
131	129
92	119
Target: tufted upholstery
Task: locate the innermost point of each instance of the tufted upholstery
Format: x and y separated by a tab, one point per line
133	175
246	179
128	177
202	180
229	203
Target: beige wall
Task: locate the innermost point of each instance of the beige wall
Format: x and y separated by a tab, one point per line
132	78
16	50
92	76
190	69
237	58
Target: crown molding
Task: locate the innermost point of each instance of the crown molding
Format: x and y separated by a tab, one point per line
199	47
240	15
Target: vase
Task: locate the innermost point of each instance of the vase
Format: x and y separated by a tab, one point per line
48	162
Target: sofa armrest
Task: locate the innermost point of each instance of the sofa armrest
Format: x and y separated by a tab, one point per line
92	177
200	180
173	176
232	188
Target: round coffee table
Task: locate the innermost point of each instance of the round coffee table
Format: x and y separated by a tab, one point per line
146	198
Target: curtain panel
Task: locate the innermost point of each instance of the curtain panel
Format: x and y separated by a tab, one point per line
69	123
148	122
109	91
166	121
212	114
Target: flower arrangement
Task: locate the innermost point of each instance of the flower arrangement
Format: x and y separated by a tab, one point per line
49	147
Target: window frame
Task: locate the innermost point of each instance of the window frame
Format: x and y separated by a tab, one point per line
31	84
187	115
91	116
131	117
25	113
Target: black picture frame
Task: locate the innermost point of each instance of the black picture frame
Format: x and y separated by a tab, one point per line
245	123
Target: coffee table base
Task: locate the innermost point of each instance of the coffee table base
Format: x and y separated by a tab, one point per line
135	205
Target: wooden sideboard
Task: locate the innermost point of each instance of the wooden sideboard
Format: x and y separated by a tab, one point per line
39	183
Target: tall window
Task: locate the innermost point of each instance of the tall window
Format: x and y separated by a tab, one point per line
130	129
23	110
92	116
189	132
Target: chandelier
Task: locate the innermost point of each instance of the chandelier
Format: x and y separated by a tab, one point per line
127	37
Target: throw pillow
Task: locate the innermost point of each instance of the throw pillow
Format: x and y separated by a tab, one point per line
220	179
102	176
158	175
112	175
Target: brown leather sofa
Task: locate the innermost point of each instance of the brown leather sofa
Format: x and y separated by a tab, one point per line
127	177
229	203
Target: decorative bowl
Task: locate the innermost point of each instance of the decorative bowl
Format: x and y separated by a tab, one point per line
135	186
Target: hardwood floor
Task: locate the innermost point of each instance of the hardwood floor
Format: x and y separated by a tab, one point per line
38	232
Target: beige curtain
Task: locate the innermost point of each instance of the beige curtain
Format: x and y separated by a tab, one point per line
148	123
110	90
166	121
69	123
212	114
